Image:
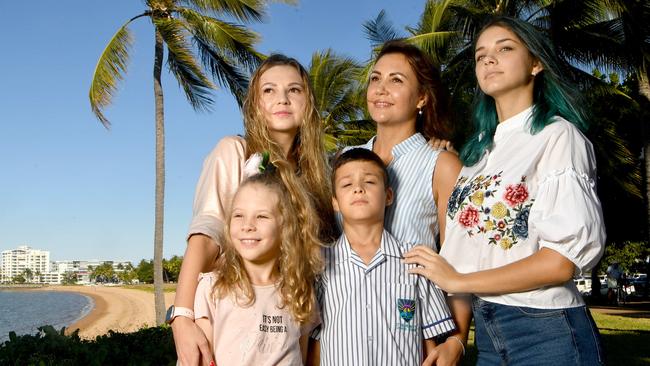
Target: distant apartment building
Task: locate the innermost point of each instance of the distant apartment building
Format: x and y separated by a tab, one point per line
14	262
24	261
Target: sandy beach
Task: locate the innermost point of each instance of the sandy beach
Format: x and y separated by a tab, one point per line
120	309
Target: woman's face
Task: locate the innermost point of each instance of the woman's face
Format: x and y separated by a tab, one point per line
393	94
504	66
283	97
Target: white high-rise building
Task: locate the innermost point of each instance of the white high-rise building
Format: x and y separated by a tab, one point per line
14	262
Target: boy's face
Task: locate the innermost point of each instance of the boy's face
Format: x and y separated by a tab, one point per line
360	194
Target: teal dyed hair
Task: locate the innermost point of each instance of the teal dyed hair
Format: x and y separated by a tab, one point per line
552	95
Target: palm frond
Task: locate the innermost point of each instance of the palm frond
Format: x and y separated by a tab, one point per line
231	39
380	30
110	69
183	64
224	69
242	10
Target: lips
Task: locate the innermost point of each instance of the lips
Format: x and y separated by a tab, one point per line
249	242
381	104
491	74
359	202
282	113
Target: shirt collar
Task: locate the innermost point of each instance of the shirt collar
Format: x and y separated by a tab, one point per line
514	123
389	246
416	140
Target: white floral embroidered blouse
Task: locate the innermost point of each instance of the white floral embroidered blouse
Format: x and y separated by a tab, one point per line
528	192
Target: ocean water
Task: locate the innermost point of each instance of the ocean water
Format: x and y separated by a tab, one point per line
24	311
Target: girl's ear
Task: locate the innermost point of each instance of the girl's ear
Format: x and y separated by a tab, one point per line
537	67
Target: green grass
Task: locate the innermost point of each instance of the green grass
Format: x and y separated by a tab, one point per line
626	340
168	287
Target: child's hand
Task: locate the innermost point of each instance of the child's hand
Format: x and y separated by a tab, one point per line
434	267
446	353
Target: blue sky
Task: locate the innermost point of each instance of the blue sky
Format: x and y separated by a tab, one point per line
70	186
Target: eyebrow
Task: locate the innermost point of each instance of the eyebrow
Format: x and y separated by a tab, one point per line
390	74
270	83
497	42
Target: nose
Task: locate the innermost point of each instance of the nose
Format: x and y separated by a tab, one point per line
358	188
488	59
248	225
283	97
380	88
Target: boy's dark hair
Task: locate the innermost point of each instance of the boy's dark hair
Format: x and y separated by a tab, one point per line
358	154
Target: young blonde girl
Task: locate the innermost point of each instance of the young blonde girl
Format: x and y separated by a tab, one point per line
257	306
279	117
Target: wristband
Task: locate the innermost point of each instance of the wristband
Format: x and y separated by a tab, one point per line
459	341
175	311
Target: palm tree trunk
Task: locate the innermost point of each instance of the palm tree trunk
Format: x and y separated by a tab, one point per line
160	183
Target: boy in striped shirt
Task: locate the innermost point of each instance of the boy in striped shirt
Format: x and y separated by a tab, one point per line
373	311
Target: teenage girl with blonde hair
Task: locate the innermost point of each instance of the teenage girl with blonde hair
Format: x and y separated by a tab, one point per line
280	118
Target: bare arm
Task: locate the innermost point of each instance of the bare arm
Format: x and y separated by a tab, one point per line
543	268
313	355
444	179
188	337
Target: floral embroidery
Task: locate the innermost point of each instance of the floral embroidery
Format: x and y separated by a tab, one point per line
468	217
504	222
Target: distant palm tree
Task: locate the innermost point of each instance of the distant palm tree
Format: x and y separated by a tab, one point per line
339	98
225	50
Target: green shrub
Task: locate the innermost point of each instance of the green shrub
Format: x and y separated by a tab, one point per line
148	346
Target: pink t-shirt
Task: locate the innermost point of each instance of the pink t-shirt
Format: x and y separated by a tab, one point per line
260	334
223	171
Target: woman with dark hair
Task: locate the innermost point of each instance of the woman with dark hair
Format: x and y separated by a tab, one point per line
524	216
408	103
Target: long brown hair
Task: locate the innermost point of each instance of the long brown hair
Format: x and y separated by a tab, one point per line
300	249
434	121
307	151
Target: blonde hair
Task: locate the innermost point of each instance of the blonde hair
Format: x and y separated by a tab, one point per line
307	151
300	249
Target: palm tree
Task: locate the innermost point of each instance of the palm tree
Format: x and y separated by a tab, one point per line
336	85
224	49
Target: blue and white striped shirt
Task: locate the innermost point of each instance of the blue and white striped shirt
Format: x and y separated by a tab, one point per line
376	314
413	216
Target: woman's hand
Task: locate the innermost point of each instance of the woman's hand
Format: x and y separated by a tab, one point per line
434	267
192	347
439	144
445	354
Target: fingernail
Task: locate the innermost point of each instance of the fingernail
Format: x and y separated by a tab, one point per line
211	363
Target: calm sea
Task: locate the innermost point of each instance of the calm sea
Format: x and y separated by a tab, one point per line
25	311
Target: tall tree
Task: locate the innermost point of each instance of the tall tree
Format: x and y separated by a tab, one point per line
225	51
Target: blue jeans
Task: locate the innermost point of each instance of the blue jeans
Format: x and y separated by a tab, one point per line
512	335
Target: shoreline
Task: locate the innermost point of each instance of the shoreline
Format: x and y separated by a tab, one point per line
115	308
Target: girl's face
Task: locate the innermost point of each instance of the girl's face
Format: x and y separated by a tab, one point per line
393	90
503	63
255	224
283	97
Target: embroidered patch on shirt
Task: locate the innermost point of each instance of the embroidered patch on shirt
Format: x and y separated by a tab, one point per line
504	220
406	308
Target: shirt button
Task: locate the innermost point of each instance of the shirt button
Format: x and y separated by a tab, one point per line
369	339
